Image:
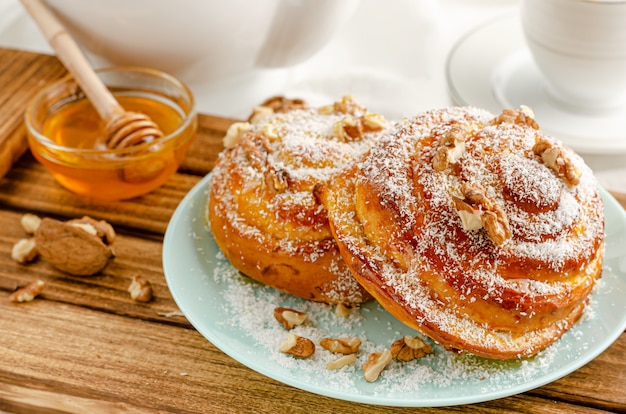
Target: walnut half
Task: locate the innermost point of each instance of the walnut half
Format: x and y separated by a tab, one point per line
298	346
289	317
276	104
28	292
554	158
30	222
347	105
25	250
351	129
450	150
409	348
476	210
235	133
140	289
523	116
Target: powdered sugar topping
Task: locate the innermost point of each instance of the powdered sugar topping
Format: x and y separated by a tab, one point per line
453	280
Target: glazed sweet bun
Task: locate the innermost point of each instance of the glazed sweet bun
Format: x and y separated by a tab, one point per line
262	211
480	231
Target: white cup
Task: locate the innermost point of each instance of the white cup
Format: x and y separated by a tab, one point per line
222	37
580	48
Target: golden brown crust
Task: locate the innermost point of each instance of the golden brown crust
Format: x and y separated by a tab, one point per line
262	209
503	279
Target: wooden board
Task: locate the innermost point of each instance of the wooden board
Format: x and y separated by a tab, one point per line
22	75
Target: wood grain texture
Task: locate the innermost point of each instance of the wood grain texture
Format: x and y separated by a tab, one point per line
107	291
29	187
201	156
85	346
110	362
596	384
22	75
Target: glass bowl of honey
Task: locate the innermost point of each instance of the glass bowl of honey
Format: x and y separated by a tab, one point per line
66	134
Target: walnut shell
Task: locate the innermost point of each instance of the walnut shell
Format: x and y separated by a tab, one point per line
71	249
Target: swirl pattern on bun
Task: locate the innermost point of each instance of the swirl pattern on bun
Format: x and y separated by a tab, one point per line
480	231
262	210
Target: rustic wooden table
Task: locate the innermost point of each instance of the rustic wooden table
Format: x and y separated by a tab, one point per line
85	346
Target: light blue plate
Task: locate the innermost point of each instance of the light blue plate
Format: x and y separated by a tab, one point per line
235	314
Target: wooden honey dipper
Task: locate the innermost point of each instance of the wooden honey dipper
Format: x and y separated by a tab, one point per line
123	129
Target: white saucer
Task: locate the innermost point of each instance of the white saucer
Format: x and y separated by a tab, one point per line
491	68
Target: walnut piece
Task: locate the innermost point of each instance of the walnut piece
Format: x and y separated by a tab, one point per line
30	222
373	122
470	218
347	105
409	348
351	129
259	113
297	346
255	153
75	248
101	228
269	131
348	130
289	317
275	104
277	180
523	116
450	150
341	362
552	155
341	345
140	289
24	251
28	292
527	110
497	225
235	132
476	195
476	205
440	159
376	362
281	104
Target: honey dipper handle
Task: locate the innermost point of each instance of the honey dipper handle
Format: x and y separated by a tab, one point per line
74	60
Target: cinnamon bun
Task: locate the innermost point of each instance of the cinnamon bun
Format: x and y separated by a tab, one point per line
262	210
480	231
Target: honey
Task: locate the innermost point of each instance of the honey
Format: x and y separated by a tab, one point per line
77	124
73	149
